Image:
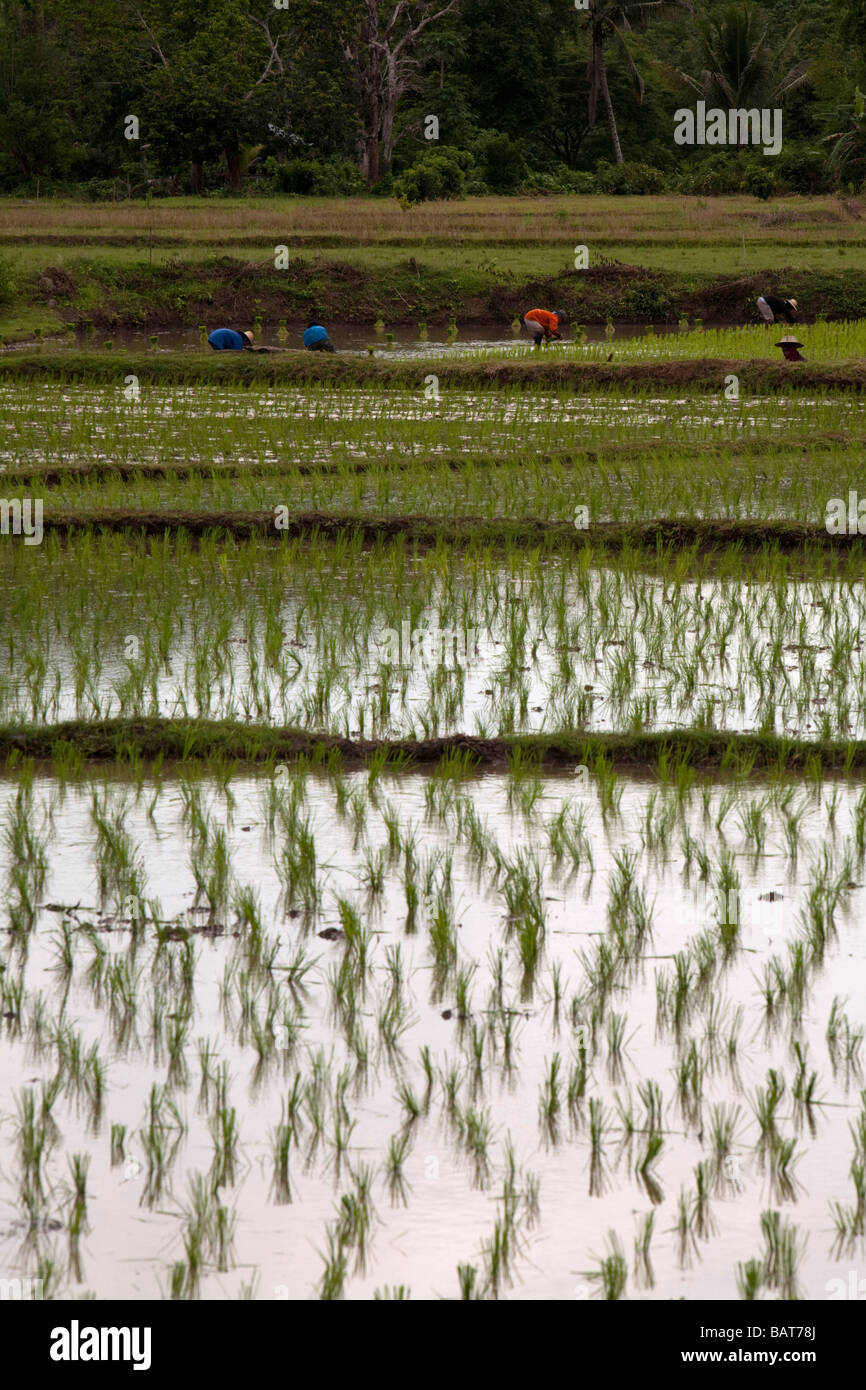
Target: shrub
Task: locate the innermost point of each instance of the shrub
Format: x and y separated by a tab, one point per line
337	178
324	178
561	180
503	167
439	174
630	178
647	302
8	283
104	190
760	182
581	181
385	187
715	174
802	169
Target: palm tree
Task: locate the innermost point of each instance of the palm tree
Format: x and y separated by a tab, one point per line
611	20
741	67
849	151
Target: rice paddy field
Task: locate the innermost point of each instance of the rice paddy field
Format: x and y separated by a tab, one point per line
433	827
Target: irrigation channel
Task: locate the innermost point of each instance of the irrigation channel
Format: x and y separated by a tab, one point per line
400	341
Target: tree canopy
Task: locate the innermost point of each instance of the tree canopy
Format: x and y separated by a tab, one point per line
336	95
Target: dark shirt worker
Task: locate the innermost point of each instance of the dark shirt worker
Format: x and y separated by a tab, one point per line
229	340
316	338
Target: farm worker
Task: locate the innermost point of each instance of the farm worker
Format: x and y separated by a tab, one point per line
542	325
771	308
228	339
316	338
790	345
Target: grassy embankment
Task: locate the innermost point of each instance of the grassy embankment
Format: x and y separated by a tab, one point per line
179	263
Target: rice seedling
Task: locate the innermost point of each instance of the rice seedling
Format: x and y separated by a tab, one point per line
615	1029
765	1103
443	938
611	1275
475	1130
77	1224
783	1157
281	1141
395	1178
356	1217
702	1221
160	1136
651	1097
783	1252
550	1100
645	1163
850	1222
469	1282
34	1133
394	1020
804	1088
409	1103
750	1279
118	1141
642	1268
598	1123
685	1239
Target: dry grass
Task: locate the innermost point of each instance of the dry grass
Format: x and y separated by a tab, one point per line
556	220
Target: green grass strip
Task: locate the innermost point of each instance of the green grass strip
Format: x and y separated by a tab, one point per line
296	368
704	535
134	740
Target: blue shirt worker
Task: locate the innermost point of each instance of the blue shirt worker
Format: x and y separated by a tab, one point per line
316	338
228	340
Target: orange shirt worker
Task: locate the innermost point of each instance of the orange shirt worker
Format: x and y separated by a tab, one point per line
542	325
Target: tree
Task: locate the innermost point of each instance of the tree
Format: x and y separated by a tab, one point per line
849	149
36	133
379	47
215	74
610	21
741	66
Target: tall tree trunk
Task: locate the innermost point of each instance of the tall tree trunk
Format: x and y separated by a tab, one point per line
372	118
605	92
389	110
371	141
197	176
232	156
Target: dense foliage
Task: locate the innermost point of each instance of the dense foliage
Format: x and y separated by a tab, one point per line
422	98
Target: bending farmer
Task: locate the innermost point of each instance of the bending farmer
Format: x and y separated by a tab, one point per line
542	325
316	338
229	340
771	308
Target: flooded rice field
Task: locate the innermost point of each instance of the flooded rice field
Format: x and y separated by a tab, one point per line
308	1033
383	644
291	1030
54	416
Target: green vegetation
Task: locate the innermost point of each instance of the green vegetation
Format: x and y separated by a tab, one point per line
323	98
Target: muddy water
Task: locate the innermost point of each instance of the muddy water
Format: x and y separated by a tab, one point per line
448	1213
357	339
